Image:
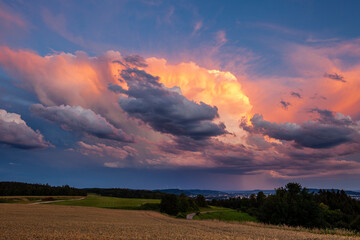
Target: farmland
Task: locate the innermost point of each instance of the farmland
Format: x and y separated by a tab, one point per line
226	215
110	202
34	199
47	221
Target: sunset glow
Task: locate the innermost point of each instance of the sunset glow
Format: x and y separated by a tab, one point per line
153	94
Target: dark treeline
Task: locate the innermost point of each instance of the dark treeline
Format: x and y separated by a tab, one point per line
295	206
28	189
179	205
126	193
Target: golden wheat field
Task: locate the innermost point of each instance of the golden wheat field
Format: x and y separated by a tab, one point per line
21	221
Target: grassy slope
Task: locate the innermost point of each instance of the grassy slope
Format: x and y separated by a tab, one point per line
226	215
33	199
109	202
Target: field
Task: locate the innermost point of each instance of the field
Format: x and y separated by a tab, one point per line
226	215
45	221
34	199
110	202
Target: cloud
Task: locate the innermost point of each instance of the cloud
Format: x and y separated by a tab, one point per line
12	18
295	94
166	110
183	125
329	117
136	60
78	119
221	37
324	133
285	104
114	156
198	25
16	133
213	87
335	76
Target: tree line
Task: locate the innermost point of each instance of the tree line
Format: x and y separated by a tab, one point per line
295	206
179	205
28	189
126	193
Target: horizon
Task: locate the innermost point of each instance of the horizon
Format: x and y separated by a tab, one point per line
186	189
154	94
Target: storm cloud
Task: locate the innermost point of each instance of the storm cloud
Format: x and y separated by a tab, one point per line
166	109
14	132
325	132
76	118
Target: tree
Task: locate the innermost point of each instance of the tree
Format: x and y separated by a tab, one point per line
170	204
201	201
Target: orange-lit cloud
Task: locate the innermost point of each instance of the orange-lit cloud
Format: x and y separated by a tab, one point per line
213	87
311	67
80	80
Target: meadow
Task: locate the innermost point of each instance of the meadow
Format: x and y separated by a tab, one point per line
113	203
34	199
48	221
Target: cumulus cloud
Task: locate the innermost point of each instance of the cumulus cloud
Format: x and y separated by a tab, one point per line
16	133
329	117
326	132
76	118
165	109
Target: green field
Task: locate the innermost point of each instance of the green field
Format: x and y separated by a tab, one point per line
226	215
114	203
33	199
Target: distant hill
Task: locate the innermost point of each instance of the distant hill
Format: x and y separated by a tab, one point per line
192	192
212	194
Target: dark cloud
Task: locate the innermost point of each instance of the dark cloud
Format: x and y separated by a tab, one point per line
135	60
166	110
295	94
335	76
329	117
326	132
284	104
15	133
78	119
317	96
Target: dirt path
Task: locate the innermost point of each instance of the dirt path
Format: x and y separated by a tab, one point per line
190	216
74	199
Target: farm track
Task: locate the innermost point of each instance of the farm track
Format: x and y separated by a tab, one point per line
23	221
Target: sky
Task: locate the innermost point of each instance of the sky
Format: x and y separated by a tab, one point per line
222	95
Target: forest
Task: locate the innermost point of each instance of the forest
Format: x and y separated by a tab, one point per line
28	189
294	205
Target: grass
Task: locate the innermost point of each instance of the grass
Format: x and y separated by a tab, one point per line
213	208
226	215
45	221
113	203
33	199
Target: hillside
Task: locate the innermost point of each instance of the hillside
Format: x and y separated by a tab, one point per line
20	221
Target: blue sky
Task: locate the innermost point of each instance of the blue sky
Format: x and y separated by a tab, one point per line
249	94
